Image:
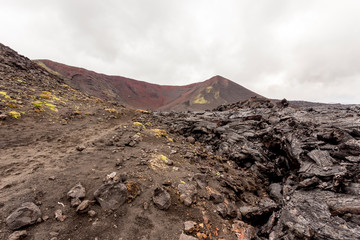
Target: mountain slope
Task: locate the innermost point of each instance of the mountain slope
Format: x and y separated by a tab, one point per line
198	96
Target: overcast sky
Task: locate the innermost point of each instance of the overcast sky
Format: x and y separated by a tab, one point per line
303	49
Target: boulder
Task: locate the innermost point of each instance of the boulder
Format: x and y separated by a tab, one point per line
111	196
161	198
27	214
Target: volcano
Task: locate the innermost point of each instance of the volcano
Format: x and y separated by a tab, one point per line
197	96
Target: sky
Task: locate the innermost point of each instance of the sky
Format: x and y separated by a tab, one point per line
298	50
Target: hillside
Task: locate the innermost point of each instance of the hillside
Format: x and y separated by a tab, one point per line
76	167
198	96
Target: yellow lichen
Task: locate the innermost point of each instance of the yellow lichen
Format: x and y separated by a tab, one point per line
159	132
164	158
44	96
110	110
208	89
139	124
3	93
200	99
14	114
37	104
142	111
217	94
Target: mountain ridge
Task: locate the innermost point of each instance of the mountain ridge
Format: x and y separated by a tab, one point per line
136	93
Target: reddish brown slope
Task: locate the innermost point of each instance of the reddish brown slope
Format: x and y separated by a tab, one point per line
197	96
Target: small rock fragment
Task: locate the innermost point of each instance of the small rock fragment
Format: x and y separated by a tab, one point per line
187	193
161	198
189	226
59	215
216	198
75	202
83	206
80	148
91	213
186	237
17	235
201	180
190	140
78	191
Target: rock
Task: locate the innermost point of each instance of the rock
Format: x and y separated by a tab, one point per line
77	192
18	235
111	195
189	155
190	140
227	209
221	209
353	188
161	198
317	215
3	116
52	178
243	231
186	237
256	213
309	182
231	210
75	202
27	214
189	226
80	148
54	234
91	213
216	198
59	215
187	193
201	180
275	191
83	206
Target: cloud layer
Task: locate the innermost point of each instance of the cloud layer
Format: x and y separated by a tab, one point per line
305	50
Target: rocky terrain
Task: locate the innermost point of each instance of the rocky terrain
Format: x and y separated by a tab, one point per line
73	166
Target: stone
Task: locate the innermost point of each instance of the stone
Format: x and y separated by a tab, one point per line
187	193
27	214
18	235
111	196
186	237
221	209
161	198
80	148
243	230
83	206
91	213
275	190
77	192
75	202
216	198
190	140
59	215
201	180
189	226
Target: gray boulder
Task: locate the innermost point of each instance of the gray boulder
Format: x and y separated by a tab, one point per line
25	215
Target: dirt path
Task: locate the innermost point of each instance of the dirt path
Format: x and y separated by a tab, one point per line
40	162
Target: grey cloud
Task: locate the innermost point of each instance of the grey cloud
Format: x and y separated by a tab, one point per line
284	48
